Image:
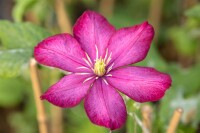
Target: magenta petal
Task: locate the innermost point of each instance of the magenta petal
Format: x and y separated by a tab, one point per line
93	29
68	92
61	51
104	106
142	84
130	45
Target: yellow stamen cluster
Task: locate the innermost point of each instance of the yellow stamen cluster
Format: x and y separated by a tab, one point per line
99	67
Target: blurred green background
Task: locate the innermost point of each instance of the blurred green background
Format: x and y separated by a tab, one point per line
175	50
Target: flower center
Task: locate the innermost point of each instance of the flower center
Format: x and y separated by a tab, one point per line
99	67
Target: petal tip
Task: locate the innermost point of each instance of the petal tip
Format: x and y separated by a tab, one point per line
87	12
149	27
168	81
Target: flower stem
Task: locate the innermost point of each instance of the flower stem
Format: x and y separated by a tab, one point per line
56	112
155	14
175	120
106	7
147	117
62	16
41	114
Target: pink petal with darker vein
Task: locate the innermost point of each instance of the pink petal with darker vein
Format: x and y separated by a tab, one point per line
142	84
61	51
130	45
104	106
68	92
93	29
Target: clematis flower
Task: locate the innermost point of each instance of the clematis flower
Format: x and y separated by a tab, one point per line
99	58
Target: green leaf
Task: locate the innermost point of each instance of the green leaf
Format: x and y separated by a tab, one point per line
21	35
18	41
13	62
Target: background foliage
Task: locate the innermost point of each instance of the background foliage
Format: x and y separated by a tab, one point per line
176	51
